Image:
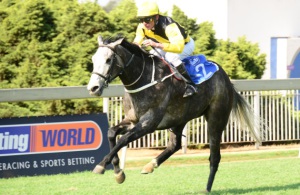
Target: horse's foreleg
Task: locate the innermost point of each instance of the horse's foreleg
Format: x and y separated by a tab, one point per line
123	141
146	125
173	146
112	134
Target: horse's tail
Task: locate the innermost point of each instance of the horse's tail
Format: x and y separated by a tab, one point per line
245	114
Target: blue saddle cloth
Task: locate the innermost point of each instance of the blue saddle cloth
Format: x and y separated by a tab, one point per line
199	68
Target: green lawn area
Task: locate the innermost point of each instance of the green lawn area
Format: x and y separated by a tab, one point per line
276	172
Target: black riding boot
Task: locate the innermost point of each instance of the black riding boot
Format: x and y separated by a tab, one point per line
190	89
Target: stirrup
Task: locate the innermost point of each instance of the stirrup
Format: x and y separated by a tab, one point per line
189	90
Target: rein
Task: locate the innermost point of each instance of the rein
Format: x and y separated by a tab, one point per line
139	76
153	82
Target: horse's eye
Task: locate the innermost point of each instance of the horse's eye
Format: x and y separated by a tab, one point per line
108	60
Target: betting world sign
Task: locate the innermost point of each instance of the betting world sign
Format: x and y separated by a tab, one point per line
53	144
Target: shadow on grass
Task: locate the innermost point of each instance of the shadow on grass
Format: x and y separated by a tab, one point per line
251	190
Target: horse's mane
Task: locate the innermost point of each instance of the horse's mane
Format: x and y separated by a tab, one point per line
133	48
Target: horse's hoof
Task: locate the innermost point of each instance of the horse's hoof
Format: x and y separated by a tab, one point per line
204	192
120	177
148	168
99	169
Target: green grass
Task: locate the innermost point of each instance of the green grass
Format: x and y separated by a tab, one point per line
227	157
251	173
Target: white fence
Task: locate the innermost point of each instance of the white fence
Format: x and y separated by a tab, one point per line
276	101
278	109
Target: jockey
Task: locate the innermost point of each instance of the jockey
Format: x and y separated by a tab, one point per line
167	39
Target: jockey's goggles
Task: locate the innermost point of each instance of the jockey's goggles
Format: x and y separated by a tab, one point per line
147	19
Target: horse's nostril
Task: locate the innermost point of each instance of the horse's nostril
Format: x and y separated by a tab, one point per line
95	88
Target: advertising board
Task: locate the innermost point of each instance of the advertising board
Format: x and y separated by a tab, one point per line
52	144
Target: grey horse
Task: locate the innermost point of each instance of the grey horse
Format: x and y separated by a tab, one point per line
153	101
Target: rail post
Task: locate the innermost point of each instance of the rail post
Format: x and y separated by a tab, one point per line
256	115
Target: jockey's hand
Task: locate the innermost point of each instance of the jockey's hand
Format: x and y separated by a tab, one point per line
149	42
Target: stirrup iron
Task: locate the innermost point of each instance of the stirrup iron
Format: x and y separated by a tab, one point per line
189	90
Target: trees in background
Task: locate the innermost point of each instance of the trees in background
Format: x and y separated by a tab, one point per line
50	43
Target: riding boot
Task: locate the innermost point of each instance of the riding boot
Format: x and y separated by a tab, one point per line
190	88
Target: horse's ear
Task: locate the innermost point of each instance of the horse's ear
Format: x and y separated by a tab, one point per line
118	42
100	40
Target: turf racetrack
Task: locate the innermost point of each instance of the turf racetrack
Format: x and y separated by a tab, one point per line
276	172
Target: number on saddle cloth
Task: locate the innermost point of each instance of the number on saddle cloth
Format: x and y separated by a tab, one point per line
199	68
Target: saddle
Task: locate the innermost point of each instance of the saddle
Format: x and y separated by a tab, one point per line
198	68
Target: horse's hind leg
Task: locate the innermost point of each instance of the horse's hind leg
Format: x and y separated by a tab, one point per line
215	156
216	122
173	146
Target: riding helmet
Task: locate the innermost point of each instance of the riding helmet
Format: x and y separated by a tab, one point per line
147	9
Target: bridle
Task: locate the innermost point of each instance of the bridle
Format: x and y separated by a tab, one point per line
109	77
